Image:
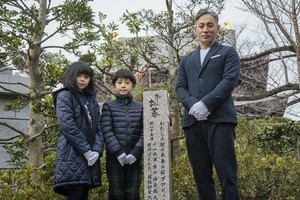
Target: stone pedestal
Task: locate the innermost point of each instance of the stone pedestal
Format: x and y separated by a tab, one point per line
157	150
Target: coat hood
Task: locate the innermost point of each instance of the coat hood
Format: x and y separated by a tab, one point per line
55	93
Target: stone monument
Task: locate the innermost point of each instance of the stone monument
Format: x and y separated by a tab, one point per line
157	156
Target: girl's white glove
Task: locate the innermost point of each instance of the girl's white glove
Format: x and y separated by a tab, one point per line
91	157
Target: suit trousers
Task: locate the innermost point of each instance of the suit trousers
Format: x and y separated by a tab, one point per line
212	144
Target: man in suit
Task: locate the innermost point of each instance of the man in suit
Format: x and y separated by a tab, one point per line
206	79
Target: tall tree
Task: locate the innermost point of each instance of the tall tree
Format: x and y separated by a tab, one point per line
275	54
26	28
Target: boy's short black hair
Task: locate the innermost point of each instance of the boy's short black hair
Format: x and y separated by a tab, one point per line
70	79
123	73
202	12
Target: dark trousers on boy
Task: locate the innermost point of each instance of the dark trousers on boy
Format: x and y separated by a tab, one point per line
124	181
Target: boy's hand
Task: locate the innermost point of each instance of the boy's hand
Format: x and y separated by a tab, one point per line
122	159
130	159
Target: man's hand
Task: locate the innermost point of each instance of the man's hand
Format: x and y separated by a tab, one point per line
199	111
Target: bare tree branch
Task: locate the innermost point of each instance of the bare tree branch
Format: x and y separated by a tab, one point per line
14	129
10	138
15	83
14	92
268	52
287	87
31	138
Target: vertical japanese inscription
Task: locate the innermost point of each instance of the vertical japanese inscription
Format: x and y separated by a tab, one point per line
157	179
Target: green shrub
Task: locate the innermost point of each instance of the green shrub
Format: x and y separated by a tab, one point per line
281	138
268	177
18	185
262	175
264	149
245	132
18	153
183	187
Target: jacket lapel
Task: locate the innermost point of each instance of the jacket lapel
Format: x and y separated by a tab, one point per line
213	49
196	59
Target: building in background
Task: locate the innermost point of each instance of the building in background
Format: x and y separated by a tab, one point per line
14	85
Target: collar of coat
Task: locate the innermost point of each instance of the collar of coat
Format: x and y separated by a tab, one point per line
124	99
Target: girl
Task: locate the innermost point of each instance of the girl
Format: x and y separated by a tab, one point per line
80	143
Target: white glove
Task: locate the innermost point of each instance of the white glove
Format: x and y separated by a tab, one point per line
122	159
199	110
93	159
130	159
202	118
88	155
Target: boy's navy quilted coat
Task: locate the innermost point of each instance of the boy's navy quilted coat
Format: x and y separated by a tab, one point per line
122	126
76	138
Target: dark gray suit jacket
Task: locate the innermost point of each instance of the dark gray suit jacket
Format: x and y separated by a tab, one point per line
212	82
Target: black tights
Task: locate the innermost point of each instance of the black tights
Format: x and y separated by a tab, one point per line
78	194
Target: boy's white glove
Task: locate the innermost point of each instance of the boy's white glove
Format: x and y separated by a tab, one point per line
93	159
122	159
130	159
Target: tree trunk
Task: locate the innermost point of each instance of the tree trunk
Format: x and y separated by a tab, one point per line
298	61
35	146
175	126
37	84
175	130
175	113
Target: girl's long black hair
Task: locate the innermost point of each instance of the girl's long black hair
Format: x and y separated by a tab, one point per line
70	79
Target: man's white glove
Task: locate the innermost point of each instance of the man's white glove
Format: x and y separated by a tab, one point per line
199	111
130	159
202	118
122	159
93	159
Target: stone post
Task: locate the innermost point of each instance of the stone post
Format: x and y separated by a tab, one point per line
157	151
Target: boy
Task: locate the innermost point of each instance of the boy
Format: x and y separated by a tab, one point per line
122	126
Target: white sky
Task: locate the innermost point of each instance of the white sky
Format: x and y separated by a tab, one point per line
115	8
